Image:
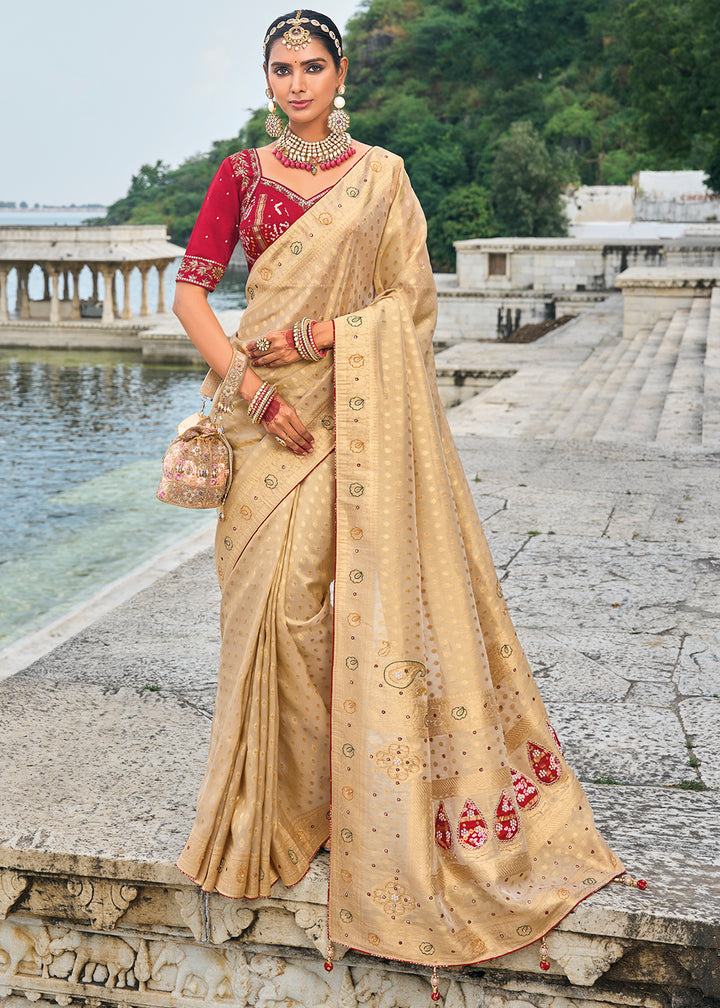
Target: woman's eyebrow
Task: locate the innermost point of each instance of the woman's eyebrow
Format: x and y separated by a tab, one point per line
278	63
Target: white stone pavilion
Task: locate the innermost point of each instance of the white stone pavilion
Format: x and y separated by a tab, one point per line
62	253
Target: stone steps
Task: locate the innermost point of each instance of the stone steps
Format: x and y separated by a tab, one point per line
647	409
711	379
660	385
614	423
562	403
582	422
682	415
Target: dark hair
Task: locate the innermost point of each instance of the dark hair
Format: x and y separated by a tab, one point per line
325	30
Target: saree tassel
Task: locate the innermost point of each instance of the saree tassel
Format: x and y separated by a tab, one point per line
435	986
628	880
329	956
544	956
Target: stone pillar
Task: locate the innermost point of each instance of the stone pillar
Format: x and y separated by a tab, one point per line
54	297
108	275
66	285
23	295
161	267
46	281
113	289
127	309
75	313
144	310
4	316
95	296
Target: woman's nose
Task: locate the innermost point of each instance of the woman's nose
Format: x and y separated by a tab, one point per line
298	82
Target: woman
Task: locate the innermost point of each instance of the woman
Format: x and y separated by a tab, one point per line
403	720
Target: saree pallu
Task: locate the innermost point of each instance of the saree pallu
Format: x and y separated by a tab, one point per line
459	832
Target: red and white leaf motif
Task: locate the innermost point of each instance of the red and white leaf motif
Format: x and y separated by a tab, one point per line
525	791
443	830
506	820
546	766
472	828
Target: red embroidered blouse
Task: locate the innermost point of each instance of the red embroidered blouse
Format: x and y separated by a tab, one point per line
241	204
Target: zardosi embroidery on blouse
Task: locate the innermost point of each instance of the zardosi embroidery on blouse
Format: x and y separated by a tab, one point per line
268	208
203	272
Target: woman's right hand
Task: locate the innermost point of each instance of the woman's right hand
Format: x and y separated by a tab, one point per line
283	423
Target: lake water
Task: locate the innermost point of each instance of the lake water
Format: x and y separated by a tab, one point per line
82	439
81	444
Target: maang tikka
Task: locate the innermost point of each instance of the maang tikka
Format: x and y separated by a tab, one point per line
339	120
273	123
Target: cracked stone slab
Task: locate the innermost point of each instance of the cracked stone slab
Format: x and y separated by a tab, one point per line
646	583
116	769
698	670
701	720
166	637
567	511
653	694
564	673
633	656
630	743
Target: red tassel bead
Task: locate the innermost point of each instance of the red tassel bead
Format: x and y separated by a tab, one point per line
545	965
435	995
641	883
329	967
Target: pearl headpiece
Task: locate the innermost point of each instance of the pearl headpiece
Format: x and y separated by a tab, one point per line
296	37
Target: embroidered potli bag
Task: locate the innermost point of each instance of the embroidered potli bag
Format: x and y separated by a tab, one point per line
197	467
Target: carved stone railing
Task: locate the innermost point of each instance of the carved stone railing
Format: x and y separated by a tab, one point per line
96	941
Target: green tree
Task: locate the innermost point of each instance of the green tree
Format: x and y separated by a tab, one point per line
527	185
465	212
675	80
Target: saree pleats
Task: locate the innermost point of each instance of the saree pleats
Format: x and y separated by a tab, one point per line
459	832
271	727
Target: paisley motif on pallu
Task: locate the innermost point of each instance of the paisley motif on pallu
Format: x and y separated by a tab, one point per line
526	793
472	828
506	819
546	766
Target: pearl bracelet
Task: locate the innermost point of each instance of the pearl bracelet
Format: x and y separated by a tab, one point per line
260	401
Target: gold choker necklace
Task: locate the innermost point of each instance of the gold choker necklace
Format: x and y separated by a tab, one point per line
311	155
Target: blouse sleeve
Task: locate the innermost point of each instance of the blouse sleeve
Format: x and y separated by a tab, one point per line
215	234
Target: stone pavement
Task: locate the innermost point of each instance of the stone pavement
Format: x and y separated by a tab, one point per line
608	553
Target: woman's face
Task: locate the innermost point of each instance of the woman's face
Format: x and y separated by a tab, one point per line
304	82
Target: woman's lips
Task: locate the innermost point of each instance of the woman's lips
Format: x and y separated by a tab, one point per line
300	104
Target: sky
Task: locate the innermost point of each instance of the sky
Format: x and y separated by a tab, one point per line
89	93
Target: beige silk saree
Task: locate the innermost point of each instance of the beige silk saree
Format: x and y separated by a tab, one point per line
404	721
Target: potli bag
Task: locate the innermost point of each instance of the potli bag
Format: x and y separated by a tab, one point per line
198	465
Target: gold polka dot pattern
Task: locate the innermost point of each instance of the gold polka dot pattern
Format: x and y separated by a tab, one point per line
459	832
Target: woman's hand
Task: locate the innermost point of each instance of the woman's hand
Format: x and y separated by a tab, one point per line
284	424
281	349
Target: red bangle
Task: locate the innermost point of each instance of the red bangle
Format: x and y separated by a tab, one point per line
311	341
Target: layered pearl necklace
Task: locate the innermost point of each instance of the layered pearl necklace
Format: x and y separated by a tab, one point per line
322	154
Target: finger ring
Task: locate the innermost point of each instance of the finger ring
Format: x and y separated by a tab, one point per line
262	344
280	441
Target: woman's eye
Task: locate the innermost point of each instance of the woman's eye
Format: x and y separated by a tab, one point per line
315	67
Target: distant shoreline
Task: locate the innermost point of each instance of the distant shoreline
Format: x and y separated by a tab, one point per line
54	209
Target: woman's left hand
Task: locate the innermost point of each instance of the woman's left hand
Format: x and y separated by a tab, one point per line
278	349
